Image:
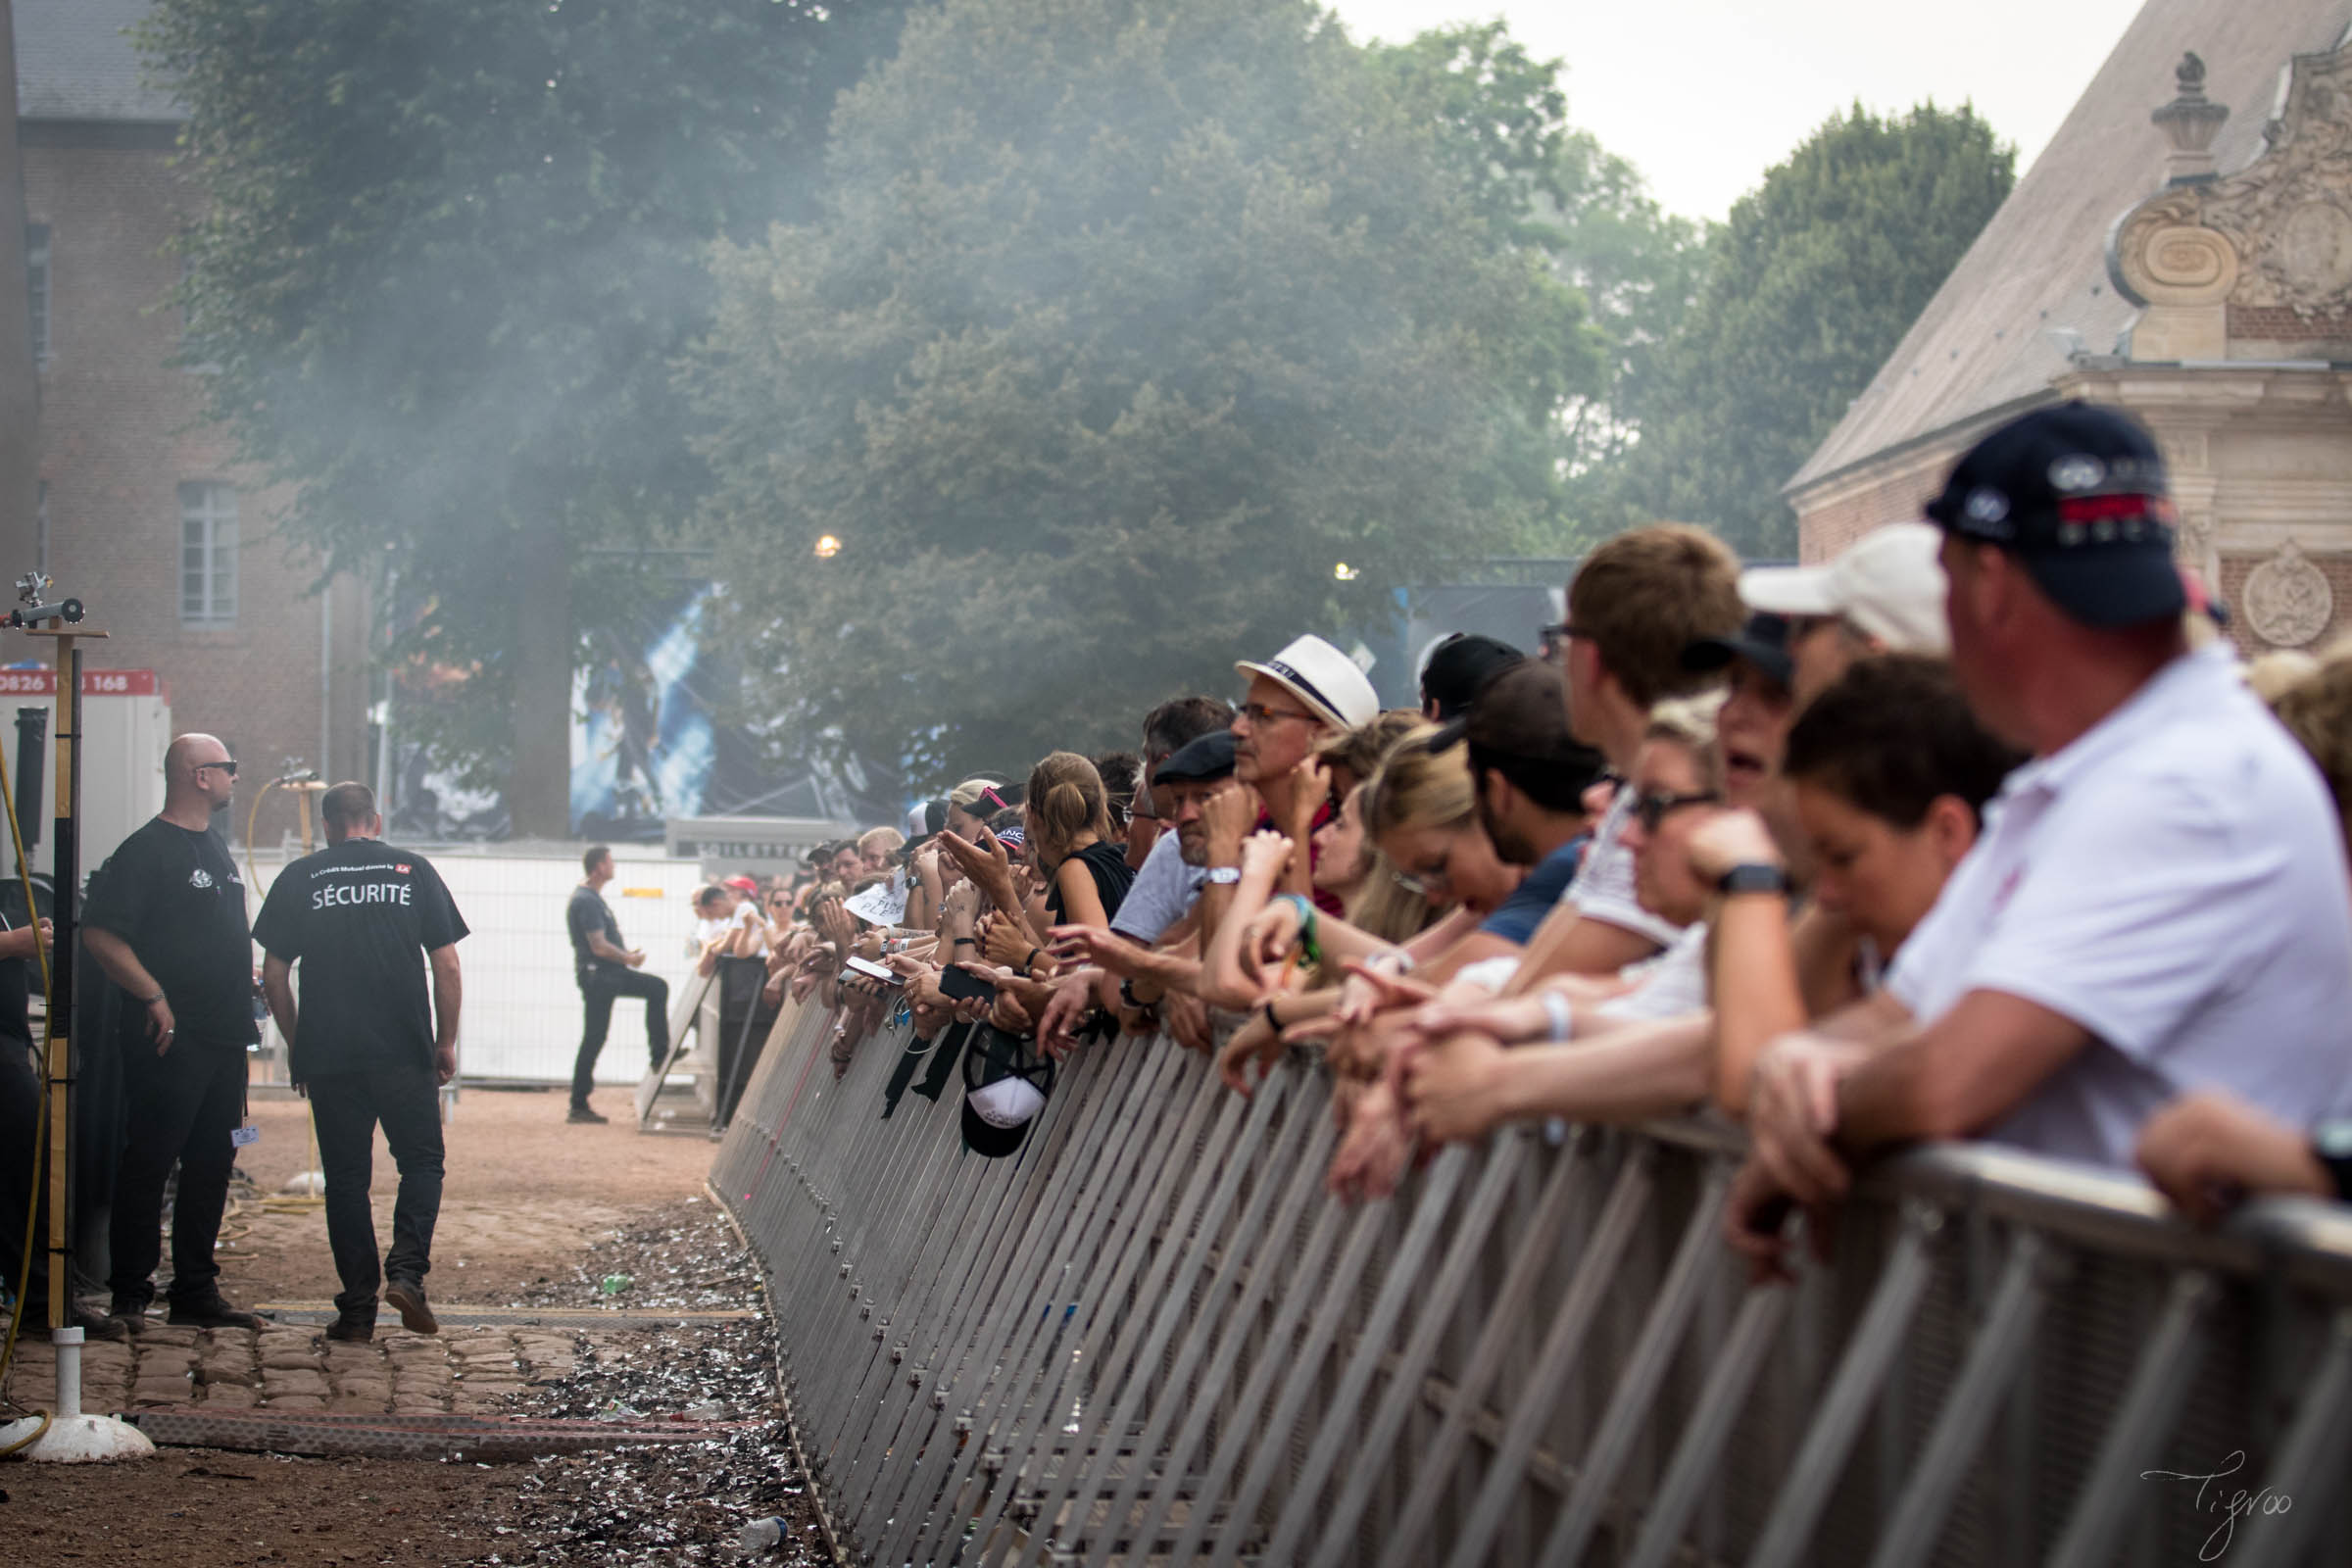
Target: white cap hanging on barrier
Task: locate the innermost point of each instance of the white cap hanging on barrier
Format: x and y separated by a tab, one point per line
1006	1084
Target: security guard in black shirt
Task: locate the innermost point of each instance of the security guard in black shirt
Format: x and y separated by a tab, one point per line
166	920
365	1044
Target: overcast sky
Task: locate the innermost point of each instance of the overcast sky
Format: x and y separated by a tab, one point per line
1705	95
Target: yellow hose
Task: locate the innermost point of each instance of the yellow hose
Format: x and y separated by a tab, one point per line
40	1124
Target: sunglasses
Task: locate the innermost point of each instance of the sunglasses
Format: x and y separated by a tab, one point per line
1649	809
229	767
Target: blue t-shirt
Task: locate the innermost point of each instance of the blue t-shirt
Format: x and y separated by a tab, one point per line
1515	918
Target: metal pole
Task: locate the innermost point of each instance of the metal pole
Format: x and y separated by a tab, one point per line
66	905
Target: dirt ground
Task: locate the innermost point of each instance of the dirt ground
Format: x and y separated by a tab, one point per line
524	1195
535	1212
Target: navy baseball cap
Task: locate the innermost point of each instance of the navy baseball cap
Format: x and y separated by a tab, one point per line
1763	642
2077	493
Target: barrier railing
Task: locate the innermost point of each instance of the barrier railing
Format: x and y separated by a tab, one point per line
1152	1334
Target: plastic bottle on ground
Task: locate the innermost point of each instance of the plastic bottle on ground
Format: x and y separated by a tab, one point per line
762	1534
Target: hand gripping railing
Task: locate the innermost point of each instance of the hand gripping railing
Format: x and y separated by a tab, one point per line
1152	1334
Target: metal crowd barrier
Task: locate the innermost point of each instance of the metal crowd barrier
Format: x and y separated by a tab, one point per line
1152	1335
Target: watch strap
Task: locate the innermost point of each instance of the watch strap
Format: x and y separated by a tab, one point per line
1753	877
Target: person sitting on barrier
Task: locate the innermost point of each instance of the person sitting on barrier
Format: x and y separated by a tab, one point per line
2209	1150
2160	904
1635	605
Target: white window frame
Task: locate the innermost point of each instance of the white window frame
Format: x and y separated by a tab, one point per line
207	556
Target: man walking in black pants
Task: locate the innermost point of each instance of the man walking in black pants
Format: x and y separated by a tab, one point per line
606	971
365	1044
166	920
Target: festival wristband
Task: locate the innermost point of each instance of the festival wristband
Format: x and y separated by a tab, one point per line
1562	1014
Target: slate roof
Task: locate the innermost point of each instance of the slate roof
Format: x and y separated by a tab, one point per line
1997	332
76	62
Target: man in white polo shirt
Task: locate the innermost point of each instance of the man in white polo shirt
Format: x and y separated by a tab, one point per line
2158	900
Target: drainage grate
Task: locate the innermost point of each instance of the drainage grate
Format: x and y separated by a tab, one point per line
470	1317
407	1437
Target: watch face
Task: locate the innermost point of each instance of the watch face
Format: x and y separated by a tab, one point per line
1224	875
2333	1138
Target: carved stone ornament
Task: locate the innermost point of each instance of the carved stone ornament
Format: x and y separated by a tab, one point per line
2289	602
2278	232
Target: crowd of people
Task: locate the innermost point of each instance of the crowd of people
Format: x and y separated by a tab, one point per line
1978	830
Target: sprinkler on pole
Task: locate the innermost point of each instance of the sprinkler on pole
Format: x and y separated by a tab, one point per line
65	1436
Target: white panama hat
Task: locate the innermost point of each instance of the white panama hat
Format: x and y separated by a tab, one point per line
1322	677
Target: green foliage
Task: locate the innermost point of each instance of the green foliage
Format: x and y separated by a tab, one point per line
1123	322
1503	120
1809	287
449	253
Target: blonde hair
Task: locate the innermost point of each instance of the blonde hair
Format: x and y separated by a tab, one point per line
1689	722
2276	672
1066	801
1360	749
889	838
1386	907
2318	712
1416	787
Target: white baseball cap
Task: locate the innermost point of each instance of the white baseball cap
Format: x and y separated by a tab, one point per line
1888	584
1322	677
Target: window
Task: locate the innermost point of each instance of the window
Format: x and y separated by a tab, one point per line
208	555
37	287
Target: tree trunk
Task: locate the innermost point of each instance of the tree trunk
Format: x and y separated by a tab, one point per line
539	791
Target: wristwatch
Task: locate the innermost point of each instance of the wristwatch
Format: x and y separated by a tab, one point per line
1223	876
2331	1142
1128	997
1753	877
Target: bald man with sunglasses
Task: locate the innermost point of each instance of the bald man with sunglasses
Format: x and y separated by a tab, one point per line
166	920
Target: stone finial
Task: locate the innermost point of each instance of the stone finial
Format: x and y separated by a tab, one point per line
2189	122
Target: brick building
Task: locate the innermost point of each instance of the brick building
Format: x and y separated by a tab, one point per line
2189	260
146	516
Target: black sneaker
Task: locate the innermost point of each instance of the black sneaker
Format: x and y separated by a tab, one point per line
212	1312
407	1297
357	1328
582	1115
132	1315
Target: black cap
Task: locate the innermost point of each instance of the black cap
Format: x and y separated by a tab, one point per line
1459	666
1199	760
2078	494
989	1057
1763	642
1518	727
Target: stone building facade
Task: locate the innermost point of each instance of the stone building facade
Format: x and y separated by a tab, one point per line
147	517
2183	248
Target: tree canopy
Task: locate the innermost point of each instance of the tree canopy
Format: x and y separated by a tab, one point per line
1124	324
449	253
1808	287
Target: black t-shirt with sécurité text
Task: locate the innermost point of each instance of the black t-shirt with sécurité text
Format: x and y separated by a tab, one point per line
174	893
360	916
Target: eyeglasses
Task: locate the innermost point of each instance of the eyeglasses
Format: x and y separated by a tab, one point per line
1649	809
1261	713
1550	641
229	767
